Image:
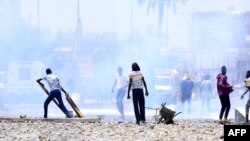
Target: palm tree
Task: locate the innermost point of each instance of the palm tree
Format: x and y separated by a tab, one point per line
161	5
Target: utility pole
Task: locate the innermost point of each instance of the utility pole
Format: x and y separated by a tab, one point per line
131	20
38	16
76	50
78	33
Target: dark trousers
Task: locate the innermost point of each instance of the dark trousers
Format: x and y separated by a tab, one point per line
139	105
225	105
55	94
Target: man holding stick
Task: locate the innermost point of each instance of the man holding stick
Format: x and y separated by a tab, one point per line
55	92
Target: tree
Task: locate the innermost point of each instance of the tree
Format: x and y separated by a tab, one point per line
171	4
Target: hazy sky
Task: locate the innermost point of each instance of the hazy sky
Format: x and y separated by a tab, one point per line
96	15
62	13
115	16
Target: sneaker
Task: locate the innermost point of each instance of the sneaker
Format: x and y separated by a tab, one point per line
138	123
70	114
22	116
226	121
122	117
221	121
142	122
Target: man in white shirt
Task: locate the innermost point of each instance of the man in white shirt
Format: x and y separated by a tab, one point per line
206	93
247	81
121	83
55	92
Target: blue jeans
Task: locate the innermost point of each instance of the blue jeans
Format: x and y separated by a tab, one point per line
119	100
55	94
186	97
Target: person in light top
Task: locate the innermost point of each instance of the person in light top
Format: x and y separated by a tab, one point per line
137	83
247	82
206	93
121	84
55	92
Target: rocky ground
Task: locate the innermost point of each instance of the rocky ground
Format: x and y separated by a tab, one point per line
61	130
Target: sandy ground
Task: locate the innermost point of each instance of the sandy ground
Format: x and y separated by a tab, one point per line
40	130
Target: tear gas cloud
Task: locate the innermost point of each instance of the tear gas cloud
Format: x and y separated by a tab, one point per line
84	43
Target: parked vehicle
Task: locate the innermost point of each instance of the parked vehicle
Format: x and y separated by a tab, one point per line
166	85
18	83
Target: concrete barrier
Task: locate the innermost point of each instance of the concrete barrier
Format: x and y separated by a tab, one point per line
240	115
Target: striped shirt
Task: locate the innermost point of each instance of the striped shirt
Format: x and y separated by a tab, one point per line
136	80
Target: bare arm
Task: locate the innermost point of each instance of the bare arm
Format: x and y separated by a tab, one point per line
129	87
39	81
66	93
145	85
114	85
242	96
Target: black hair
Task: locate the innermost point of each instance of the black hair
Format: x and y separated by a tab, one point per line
119	68
135	67
248	74
48	71
223	70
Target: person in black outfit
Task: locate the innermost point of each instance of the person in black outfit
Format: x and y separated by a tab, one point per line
137	83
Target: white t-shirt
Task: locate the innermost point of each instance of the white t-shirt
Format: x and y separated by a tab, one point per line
121	81
206	89
53	81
